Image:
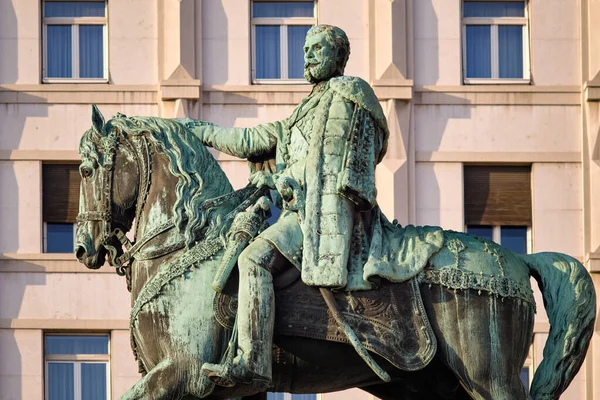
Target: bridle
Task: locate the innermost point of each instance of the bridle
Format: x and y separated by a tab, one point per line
104	214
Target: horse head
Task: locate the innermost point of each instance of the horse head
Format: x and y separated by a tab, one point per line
110	177
116	173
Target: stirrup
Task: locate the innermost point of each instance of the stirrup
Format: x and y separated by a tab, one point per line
218	374
228	375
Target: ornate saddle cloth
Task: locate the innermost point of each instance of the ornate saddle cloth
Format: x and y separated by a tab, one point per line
390	322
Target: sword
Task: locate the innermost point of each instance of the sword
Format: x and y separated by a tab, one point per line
246	225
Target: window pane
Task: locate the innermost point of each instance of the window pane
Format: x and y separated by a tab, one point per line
74	9
484	232
59	238
93	381
296	36
275	396
60	381
76	344
479	58
59	51
525	377
514	238
267	52
510	51
91	51
494	9
282	9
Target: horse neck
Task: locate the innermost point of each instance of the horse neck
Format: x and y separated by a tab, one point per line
157	207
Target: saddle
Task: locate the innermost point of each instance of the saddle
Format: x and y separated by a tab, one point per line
390	321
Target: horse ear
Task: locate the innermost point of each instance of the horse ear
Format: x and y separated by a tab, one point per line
97	119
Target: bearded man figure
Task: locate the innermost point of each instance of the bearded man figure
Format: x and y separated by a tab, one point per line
331	228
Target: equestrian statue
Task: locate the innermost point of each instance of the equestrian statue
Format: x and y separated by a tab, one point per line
331	295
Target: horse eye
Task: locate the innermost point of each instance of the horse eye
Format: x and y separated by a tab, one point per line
86	171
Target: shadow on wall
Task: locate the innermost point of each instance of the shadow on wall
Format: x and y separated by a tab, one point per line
433	110
20	366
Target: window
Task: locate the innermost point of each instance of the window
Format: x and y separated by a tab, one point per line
75	41
278	32
289	396
495	42
60	205
76	367
514	238
498	205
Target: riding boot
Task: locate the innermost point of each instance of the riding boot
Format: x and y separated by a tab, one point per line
256	306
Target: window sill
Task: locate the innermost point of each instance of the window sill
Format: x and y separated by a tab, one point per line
38	256
74	80
280	82
489	81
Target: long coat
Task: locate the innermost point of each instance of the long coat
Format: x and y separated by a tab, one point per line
343	241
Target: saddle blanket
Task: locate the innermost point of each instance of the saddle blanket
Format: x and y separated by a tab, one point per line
390	321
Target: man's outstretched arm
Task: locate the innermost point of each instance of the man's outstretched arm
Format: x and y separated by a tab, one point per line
238	142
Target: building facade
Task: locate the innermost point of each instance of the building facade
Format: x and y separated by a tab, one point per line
475	93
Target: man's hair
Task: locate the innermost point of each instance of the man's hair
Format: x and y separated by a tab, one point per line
337	38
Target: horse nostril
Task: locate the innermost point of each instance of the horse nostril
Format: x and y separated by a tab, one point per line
80	253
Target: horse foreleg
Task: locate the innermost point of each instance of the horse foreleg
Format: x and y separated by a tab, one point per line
162	382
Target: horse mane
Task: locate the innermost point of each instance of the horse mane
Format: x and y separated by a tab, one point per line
189	161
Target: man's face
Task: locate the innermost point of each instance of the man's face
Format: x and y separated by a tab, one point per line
320	61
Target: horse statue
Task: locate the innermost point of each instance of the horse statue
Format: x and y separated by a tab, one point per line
460	330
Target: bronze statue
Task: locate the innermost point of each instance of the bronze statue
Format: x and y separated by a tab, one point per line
412	301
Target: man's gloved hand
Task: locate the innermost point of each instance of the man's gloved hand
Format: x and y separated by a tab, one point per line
263	178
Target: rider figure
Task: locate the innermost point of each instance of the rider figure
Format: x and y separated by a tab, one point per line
329	147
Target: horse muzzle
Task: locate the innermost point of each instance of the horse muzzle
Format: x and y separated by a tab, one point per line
89	257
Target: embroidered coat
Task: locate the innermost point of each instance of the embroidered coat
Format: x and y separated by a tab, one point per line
344	241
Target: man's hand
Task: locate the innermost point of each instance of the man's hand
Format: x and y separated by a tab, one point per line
262	178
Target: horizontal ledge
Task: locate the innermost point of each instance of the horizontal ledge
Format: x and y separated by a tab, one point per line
498	89
39	155
498	99
78	94
72	155
38	256
59	324
393	92
77	87
541	327
257	88
593	262
498	157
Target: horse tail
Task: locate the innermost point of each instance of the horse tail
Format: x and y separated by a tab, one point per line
570	302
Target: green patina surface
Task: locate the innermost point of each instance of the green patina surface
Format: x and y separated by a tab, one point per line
319	165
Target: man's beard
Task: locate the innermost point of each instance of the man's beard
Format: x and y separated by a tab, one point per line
320	72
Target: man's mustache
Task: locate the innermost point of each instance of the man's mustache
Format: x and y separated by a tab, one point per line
310	64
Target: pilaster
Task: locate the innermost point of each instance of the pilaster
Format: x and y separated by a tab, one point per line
179	71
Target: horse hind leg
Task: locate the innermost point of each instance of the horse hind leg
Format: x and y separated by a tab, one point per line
484	339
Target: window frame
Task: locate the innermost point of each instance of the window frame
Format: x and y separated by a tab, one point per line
75	22
283	48
77	360
494	22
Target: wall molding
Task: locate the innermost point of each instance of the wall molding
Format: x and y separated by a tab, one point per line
78	93
498	157
498	95
65	324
